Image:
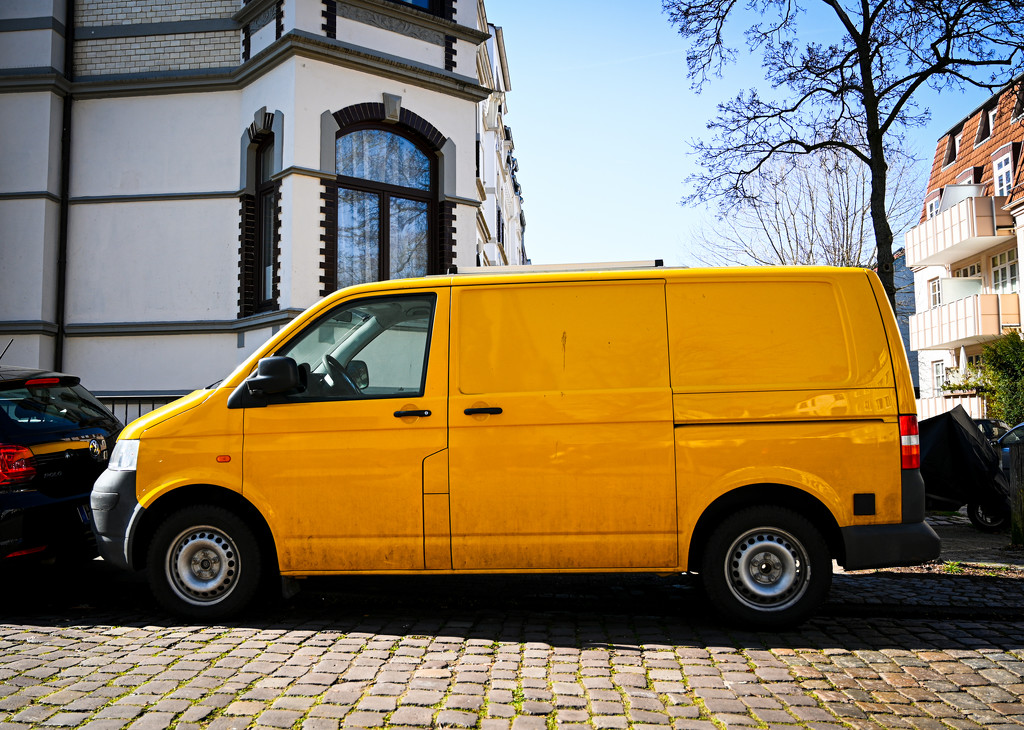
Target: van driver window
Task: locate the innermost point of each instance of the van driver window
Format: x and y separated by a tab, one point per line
369	348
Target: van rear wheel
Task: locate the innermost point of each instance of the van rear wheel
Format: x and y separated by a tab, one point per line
766	567
204	563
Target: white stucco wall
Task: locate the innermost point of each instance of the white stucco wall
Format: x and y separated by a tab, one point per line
153	261
26	272
31	124
178	143
178	362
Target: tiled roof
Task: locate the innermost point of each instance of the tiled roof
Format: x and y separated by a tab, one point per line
973	163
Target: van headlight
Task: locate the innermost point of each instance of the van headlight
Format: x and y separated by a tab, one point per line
124	456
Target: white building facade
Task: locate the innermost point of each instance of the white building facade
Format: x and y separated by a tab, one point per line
179	182
966	251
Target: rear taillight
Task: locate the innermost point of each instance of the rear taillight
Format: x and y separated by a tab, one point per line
17	464
910	443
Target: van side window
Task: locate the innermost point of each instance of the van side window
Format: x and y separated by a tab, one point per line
369	348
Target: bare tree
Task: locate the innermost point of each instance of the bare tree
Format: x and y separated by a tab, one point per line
865	77
809	210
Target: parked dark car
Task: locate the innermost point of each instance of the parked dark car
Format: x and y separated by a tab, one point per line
55	439
960	467
991	428
1014	436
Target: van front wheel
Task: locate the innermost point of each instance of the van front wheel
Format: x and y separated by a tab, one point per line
766	567
204	563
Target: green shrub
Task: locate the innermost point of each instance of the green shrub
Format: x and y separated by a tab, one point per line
1003	364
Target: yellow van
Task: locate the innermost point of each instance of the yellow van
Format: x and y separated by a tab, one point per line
749	425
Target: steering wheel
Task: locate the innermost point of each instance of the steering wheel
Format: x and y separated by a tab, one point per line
340	375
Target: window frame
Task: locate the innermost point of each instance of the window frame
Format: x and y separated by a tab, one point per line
263	249
1006	175
385	192
934	293
1010	268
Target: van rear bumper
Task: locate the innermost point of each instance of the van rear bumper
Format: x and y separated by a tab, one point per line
889	546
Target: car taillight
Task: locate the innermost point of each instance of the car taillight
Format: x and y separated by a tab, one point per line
17	464
910	443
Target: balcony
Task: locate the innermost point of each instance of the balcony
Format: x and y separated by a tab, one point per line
965	229
968	321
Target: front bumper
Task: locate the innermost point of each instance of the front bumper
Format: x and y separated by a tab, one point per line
889	546
115	512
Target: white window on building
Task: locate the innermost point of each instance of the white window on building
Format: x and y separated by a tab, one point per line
938	375
934	293
1003	168
1004	272
933	207
968	271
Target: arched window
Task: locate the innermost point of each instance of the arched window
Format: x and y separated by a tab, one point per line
387	192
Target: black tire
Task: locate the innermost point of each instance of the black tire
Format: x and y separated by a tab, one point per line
204	563
766	568
988	517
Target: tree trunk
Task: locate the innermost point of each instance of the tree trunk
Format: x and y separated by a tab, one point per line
880	221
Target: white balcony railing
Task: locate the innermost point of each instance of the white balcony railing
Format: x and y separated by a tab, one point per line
969	321
965	229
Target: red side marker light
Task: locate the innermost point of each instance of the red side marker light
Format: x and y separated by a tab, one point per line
223	459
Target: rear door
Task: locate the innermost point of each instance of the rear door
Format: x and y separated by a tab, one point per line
560	419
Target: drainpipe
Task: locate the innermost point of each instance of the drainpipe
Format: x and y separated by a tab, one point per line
65	186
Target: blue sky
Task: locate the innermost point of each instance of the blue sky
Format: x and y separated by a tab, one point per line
601	112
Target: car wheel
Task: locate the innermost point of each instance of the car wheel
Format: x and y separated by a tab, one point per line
988	517
766	567
204	563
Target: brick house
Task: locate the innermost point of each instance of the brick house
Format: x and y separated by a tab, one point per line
966	251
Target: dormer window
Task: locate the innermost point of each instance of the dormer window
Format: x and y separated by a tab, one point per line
953	145
986	125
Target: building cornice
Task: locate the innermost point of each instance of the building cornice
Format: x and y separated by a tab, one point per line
291	45
194	327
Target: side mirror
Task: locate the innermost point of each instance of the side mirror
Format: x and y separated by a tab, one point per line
359	373
275	375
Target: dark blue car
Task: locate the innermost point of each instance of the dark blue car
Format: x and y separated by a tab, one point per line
55	439
1014	436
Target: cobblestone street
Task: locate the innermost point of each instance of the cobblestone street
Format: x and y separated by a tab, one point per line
889	650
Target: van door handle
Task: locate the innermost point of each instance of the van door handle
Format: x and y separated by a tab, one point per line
476	411
410	414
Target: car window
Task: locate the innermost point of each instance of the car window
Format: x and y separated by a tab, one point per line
48	409
370	348
1013	437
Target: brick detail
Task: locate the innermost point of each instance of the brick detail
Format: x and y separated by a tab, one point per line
132	12
329	239
248	296
247	256
280	19
446	236
330	15
374	112
449	53
246	43
448	9
181	52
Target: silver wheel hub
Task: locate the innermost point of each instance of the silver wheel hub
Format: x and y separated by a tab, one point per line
202	565
767	569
